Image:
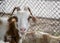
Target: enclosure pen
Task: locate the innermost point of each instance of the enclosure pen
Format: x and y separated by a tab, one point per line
38	21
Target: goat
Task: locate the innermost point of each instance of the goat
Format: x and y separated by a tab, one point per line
12	35
4	25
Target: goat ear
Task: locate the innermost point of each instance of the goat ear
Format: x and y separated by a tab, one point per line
9	19
34	19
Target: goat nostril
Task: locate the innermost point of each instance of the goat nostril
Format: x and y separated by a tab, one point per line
22	29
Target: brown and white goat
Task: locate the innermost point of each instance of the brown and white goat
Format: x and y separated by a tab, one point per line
12	34
23	19
4	24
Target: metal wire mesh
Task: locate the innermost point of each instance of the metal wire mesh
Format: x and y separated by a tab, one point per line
40	8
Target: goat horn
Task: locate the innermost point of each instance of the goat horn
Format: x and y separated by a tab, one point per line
30	11
15	9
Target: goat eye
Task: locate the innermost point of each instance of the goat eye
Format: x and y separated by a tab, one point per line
29	18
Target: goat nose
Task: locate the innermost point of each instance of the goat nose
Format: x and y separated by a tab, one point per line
22	29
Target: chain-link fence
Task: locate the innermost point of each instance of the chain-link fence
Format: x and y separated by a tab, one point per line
47	10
